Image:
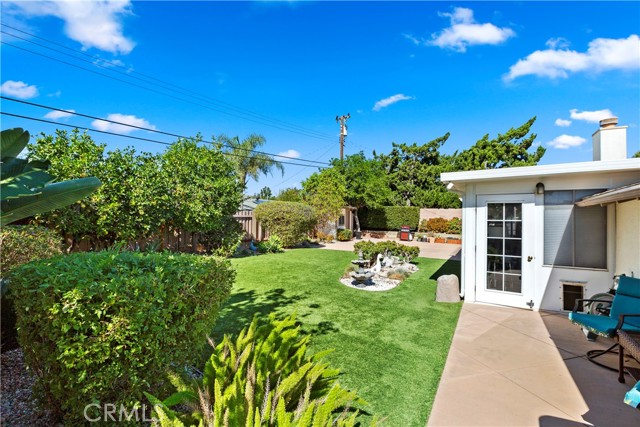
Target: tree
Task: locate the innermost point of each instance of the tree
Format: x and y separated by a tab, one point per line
248	162
264	194
637	155
290	195
73	155
325	191
366	183
203	186
27	187
414	172
506	151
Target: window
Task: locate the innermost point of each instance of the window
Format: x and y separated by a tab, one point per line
341	221
574	236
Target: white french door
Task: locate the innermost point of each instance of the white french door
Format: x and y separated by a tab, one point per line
504	252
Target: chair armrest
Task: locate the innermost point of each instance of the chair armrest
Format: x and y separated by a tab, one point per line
575	307
621	319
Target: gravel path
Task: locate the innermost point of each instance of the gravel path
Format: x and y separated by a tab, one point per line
18	407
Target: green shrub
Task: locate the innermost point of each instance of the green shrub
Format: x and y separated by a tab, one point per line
291	221
455	226
272	245
102	327
262	378
390	217
437	225
370	250
344	235
21	244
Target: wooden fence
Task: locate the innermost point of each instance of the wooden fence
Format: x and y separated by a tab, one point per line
251	226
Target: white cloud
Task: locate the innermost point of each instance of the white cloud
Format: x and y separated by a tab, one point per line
290	153
56	115
564	142
465	31
96	23
55	94
559	61
390	100
121	118
563	123
18	89
591	116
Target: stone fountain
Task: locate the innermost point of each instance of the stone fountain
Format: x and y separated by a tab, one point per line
362	276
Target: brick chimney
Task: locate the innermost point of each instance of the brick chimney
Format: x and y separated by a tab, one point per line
610	141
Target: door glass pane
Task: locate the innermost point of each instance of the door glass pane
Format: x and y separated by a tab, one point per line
513	210
513	247
512	265
494	247
494	263
494	228
495	211
512	283
494	281
513	229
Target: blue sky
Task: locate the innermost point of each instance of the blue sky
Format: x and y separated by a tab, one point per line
405	71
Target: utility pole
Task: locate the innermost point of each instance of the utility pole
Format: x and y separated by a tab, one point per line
343	131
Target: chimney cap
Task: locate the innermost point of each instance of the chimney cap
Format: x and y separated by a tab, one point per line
610	122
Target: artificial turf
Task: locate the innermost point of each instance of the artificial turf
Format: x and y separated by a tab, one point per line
391	346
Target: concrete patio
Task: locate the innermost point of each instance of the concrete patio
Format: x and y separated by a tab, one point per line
427	250
514	367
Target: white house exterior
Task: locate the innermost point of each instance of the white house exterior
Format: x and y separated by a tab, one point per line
540	236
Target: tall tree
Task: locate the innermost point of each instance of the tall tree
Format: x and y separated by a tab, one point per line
291	194
264	194
505	151
325	191
414	172
247	159
366	183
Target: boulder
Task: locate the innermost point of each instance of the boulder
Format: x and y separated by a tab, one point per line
448	289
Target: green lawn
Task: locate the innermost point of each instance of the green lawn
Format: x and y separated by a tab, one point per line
391	346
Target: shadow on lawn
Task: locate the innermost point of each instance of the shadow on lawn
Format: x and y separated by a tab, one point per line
449	267
240	308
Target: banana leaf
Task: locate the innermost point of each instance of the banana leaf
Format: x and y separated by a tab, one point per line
50	197
12	142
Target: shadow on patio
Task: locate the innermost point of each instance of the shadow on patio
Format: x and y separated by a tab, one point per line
514	367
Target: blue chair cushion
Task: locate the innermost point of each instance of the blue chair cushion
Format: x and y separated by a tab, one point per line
601	325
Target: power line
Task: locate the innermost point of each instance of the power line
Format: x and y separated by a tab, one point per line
136	137
153	130
261	119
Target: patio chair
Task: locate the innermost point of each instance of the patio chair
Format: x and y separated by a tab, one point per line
624	315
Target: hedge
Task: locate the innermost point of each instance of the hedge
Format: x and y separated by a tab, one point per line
390	217
290	221
103	327
370	250
20	245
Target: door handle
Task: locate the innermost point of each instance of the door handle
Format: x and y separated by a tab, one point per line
529	258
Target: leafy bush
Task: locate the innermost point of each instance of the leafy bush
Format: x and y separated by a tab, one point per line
437	225
324	237
22	244
370	250
390	217
291	221
262	378
270	246
103	326
455	226
344	235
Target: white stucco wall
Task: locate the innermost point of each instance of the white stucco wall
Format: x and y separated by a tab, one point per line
548	279
628	238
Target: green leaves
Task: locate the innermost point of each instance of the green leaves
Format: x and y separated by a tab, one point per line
27	189
264	378
107	325
290	221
